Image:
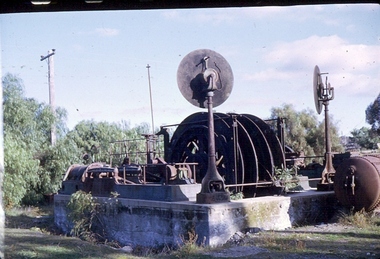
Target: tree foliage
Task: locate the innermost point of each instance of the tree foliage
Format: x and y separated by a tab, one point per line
95	138
368	138
303	132
373	115
20	168
365	138
33	167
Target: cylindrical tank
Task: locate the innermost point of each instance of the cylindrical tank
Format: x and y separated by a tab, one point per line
357	182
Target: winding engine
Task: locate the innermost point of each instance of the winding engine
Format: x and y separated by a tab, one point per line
238	152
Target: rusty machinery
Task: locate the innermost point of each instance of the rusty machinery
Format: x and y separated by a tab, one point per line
247	149
355	179
357	182
244	154
205	79
235	151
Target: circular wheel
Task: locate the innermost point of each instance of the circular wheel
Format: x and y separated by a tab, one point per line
190	144
191	73
236	157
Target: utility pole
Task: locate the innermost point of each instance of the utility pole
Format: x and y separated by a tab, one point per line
50	60
151	103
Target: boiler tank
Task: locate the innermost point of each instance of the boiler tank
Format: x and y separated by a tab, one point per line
357	182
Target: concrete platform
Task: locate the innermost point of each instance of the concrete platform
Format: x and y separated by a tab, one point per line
159	192
157	223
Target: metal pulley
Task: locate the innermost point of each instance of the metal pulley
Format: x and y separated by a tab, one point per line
198	80
202	71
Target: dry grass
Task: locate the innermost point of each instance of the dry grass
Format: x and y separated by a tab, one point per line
359	219
30	234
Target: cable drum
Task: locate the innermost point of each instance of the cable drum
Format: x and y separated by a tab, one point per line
247	149
357	182
189	143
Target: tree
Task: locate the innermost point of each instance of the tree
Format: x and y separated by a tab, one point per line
304	133
373	115
19	170
95	138
32	166
365	137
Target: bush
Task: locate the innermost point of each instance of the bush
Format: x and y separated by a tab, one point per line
360	219
82	207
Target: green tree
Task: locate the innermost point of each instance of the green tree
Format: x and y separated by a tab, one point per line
32	166
303	132
373	115
19	170
365	137
95	138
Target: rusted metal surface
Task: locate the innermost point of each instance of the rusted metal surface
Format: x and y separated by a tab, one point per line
101	179
194	73
357	182
205	79
247	149
323	94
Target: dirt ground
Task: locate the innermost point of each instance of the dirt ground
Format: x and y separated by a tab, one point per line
322	241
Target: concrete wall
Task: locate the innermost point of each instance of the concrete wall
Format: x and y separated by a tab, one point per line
154	223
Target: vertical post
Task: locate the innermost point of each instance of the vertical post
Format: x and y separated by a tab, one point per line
281	131
50	59
329	168
325	94
211	137
236	140
150	95
212	190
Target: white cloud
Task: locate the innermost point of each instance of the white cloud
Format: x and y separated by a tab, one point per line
354	67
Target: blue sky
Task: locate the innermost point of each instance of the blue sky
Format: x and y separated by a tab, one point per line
101	58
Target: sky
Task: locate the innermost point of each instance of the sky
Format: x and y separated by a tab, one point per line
101	59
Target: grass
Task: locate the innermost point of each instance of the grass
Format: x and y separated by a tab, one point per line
356	235
359	219
30	233
21	243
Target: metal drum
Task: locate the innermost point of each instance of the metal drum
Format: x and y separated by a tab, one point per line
247	149
357	182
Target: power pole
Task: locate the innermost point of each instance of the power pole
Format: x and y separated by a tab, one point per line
150	95
50	60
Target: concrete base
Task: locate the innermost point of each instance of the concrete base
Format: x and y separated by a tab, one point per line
156	223
212	198
158	192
